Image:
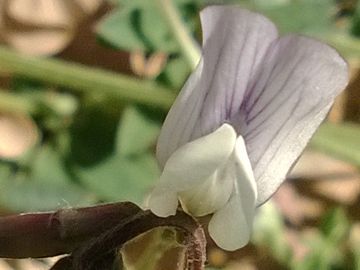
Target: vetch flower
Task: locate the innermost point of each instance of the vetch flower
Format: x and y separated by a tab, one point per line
242	119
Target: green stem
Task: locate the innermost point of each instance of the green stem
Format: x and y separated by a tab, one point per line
78	77
59	103
14	103
188	45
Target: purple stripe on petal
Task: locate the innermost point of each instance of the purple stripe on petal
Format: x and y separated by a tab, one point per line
274	91
235	42
300	79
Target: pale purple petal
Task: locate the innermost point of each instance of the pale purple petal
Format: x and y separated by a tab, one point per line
274	91
235	42
299	80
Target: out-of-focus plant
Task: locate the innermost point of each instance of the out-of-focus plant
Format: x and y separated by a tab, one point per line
96	130
137	20
18	133
42	27
340	140
356	21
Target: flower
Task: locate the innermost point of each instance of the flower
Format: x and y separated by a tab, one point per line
242	119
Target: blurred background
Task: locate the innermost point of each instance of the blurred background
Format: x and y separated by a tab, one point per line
86	84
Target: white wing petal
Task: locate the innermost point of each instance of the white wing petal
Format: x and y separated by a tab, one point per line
231	226
191	165
228	227
211	195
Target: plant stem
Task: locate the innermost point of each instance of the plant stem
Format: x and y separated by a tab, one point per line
188	45
53	233
101	249
15	103
78	77
59	103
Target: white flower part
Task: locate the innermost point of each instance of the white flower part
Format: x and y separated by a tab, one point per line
192	166
210	195
231	226
212	174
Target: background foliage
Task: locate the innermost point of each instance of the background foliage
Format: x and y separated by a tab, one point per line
96	130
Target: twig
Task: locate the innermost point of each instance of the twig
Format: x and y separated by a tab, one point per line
187	44
92	235
103	249
48	234
86	79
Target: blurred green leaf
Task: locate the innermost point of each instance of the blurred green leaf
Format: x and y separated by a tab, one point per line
355	245
305	16
93	132
4	171
136	132
138	25
48	164
339	140
133	29
327	245
121	179
45	187
176	72
269	229
355	27
335	226
129	170
118	30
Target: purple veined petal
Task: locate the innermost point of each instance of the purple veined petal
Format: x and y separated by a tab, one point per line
235	42
181	119
293	93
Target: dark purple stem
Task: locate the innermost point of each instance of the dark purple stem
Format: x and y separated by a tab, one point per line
92	235
103	249
48	234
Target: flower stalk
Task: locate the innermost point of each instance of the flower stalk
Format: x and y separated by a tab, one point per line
16	103
58	232
93	235
186	42
85	79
